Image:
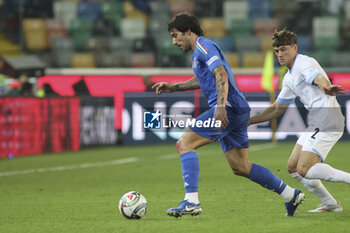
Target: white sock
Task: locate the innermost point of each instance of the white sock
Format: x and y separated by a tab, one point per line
192	197
326	172
287	194
316	187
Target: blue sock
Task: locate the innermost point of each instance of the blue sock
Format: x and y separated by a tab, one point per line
266	178
190	171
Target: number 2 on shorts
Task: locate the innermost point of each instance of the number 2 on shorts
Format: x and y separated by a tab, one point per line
316	132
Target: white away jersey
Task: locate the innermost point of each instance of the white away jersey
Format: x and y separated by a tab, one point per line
324	109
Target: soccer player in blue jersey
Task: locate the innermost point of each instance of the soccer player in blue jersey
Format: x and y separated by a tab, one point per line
227	104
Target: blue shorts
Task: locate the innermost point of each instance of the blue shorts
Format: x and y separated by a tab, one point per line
235	135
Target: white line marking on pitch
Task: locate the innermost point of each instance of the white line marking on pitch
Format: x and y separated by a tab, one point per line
117	162
261	147
71	167
169	156
251	149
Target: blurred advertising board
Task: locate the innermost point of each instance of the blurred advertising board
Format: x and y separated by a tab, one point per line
31	126
38	125
97	121
179	107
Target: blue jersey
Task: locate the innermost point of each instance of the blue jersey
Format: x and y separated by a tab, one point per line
205	58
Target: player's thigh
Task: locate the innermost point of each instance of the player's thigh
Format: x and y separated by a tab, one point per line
236	134
235	144
190	141
294	158
237	158
197	135
209	131
303	157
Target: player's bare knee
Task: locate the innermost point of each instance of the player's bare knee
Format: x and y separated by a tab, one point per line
235	171
181	146
291	169
239	171
178	146
302	171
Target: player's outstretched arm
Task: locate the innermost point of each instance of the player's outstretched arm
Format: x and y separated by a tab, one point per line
164	87
191	84
327	87
273	111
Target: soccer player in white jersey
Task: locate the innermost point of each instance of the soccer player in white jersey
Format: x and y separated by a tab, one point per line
306	80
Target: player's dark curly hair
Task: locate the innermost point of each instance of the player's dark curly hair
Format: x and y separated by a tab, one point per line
283	37
185	21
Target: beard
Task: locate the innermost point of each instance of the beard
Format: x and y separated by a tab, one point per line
185	48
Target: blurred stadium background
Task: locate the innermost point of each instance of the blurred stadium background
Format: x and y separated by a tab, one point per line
97	60
112	33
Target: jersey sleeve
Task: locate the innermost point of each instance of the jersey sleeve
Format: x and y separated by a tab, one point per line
309	70
286	96
210	55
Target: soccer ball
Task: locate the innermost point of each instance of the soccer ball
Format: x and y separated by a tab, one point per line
133	205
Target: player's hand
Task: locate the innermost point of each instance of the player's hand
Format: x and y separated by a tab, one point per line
334	90
221	115
163	87
250	122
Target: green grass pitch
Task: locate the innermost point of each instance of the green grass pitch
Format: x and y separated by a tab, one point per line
80	191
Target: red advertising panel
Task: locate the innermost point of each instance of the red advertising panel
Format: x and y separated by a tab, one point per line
35	126
171	78
62	84
98	85
116	86
252	82
341	79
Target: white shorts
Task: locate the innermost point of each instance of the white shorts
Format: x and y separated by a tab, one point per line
319	143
